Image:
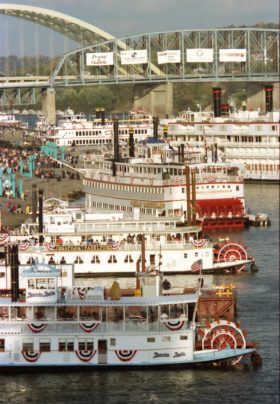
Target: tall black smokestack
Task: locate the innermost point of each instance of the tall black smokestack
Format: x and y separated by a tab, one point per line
14	273
7	250
182	153
268	97
217	96
97	113
34	202
131	142
102	116
155	126
41	237
116	140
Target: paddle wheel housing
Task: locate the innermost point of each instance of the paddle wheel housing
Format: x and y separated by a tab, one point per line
223	334
231	251
221	213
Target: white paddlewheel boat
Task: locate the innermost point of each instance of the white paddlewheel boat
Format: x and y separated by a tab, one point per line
47	322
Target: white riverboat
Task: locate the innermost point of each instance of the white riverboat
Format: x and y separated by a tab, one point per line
47	322
100	243
163	181
246	138
75	130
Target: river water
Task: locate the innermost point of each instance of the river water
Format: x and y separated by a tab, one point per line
258	312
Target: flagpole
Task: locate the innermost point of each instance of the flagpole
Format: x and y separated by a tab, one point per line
199	286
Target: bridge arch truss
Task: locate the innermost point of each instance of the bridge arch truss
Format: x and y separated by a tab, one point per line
237	55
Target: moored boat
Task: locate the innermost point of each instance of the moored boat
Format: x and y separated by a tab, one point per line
47	322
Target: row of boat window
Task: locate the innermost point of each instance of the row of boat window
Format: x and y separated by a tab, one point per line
70	344
263	167
147	189
95	260
99	314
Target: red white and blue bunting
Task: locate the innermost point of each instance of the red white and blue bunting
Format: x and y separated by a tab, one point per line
82	293
88	327
211	178
177	180
125	355
198	243
85	355
24	245
31	356
115	245
51	246
4	238
175	325
37	327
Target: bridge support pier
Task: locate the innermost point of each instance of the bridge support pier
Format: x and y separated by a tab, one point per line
157	101
48	105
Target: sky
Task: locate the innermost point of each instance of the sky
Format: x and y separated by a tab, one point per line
122	18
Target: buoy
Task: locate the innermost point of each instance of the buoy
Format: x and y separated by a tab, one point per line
256	359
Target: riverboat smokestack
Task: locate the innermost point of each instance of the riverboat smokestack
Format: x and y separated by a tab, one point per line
7	250
102	116
116	140
14	272
155	127
97	113
131	142
41	237
268	97
217	96
34	202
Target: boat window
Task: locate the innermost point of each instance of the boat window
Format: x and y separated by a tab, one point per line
112	341
86	345
95	260
66	345
151	339
112	259
4	313
183	337
27	345
18	313
128	258
45	345
89	313
115	314
66	313
78	260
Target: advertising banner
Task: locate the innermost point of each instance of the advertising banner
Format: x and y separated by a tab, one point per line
133	57
232	55
169	56
100	59
200	55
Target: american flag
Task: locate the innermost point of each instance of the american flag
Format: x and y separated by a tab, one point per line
196	266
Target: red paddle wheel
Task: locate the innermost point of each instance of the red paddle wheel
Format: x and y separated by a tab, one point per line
223	334
232	252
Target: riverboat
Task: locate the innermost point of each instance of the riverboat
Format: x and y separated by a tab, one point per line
75	130
106	243
47	322
161	180
246	138
9	121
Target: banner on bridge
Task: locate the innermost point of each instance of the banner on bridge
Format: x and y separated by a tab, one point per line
200	55
100	59
169	56
232	55
133	57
